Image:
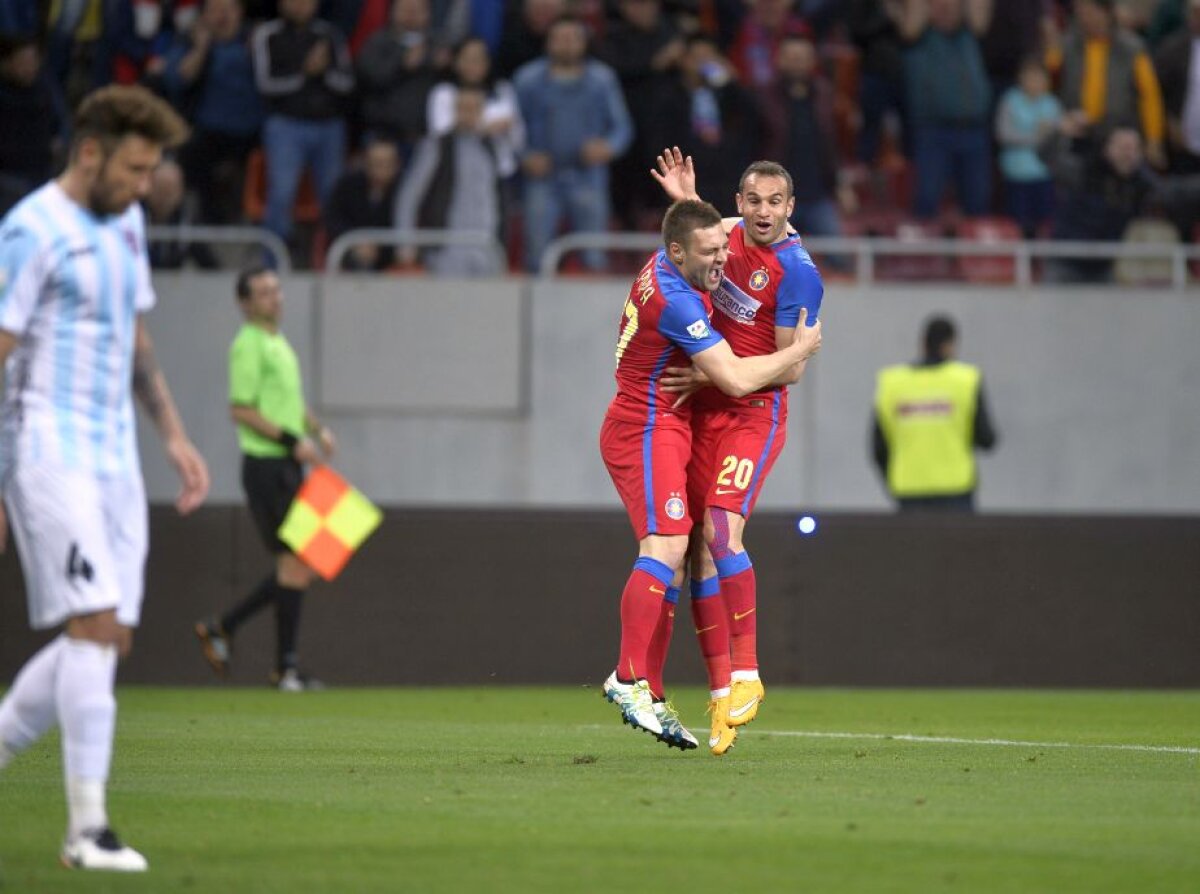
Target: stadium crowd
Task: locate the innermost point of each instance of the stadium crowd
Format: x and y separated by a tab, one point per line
1065	119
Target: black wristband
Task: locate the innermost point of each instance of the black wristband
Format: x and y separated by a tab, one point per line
288	440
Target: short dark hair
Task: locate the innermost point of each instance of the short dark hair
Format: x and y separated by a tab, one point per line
245	280
939	332
766	169
112	113
569	19
685	217
12	43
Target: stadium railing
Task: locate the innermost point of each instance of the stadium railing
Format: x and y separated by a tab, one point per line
868	251
411	238
195	233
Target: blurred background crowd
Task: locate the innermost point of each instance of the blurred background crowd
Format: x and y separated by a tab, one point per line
530	118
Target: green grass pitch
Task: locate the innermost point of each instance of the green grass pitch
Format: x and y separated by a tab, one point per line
532	790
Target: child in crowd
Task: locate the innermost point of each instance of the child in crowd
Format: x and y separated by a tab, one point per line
1028	113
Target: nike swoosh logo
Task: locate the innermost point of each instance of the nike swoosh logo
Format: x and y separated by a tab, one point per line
713	740
738	712
671	613
658	591
700	630
737	616
721	491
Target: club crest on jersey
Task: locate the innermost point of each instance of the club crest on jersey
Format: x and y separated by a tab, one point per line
675	508
759	280
698	330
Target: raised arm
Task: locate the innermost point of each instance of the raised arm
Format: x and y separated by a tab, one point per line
676	175
150	388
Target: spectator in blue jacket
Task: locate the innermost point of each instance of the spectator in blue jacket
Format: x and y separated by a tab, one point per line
210	75
576	123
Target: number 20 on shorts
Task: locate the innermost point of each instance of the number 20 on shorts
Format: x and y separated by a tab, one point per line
736	472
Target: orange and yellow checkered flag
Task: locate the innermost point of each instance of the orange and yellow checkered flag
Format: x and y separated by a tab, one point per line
328	521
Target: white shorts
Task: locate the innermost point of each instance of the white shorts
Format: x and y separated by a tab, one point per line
82	541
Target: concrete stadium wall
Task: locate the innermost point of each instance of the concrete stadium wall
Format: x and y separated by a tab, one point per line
503	597
490	394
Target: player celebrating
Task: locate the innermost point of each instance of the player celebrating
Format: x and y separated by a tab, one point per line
646	443
74	279
769	282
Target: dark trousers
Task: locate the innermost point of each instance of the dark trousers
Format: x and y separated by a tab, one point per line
957	503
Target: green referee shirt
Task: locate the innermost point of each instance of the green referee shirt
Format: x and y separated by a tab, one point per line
265	374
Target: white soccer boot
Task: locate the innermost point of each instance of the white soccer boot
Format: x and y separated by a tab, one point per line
102	849
636	703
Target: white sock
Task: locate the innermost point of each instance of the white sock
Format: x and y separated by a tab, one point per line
29	710
718	693
744	676
85	806
87	713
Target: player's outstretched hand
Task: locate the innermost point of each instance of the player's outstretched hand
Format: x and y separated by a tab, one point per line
808	337
684	381
676	175
193	474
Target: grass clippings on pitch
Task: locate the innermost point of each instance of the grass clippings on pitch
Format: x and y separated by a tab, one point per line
543	790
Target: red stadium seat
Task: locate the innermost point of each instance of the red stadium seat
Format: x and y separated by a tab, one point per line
911	268
986	230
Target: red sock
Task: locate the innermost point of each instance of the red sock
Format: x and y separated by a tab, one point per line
641	603
660	643
712	629
741	601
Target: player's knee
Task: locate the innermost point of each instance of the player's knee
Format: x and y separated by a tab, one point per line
722	533
671	550
102	628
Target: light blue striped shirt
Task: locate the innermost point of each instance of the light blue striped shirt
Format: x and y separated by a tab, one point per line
71	286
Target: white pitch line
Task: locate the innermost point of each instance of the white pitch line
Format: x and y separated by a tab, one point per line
954	740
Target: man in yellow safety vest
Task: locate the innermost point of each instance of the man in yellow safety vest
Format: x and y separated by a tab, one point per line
929	417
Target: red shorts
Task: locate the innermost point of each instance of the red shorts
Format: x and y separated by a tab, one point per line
732	454
648	465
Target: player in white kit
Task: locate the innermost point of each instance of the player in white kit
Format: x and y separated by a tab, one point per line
74	280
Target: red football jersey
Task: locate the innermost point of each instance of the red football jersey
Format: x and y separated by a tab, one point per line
763	287
666	320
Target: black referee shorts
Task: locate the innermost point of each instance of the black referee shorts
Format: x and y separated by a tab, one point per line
270	484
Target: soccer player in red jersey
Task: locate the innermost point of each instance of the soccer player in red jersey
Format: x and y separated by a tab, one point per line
646	441
768	283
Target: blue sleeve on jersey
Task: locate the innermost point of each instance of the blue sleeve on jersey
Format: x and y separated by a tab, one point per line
685	322
801	288
18	285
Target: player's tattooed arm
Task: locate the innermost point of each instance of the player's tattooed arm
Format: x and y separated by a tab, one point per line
150	387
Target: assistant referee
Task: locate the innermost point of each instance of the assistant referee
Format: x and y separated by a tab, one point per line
278	435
